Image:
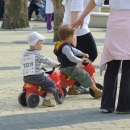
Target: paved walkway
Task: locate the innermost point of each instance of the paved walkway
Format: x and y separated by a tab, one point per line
76	113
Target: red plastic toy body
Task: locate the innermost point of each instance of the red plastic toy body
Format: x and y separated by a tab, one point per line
67	81
33	88
31	92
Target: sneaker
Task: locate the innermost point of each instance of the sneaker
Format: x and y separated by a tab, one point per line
106	111
73	91
98	93
48	103
50	31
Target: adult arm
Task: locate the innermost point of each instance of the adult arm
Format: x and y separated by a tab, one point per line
88	9
76	7
74	16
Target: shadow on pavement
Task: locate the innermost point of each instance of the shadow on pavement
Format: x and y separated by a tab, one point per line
10	68
18	67
56	119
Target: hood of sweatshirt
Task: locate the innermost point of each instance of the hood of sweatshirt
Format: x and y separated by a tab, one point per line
57	47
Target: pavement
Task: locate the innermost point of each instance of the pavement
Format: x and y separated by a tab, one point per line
81	112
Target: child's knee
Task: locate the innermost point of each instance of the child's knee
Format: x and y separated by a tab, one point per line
85	80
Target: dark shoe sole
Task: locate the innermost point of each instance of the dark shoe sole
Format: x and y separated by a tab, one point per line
106	111
118	112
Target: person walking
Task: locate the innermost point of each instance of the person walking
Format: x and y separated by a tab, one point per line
85	40
116	51
49	11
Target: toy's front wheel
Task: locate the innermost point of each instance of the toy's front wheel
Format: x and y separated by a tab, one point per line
32	100
22	99
59	99
99	86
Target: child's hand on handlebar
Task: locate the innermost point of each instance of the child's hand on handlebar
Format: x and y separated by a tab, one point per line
85	55
57	65
84	60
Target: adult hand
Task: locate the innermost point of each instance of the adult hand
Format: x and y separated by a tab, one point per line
78	23
85	55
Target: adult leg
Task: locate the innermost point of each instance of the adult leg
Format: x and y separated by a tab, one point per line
124	93
86	44
49	17
32	8
110	85
36	14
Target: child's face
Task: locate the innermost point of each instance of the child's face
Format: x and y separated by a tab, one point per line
71	38
39	45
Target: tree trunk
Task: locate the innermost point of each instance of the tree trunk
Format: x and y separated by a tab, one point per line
15	15
58	17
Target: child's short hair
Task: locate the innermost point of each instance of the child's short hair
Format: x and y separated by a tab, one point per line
64	31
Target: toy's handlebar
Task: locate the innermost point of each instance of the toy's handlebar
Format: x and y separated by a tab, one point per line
86	62
49	71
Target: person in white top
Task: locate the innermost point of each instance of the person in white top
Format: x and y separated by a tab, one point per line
85	40
49	11
116	51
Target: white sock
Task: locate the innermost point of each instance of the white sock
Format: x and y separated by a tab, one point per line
47	98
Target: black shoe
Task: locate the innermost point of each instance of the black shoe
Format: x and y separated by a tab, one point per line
106	111
119	112
82	90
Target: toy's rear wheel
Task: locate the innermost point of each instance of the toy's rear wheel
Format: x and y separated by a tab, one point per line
22	99
99	86
59	99
32	100
64	90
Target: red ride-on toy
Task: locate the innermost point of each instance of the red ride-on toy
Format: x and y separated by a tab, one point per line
67	80
31	92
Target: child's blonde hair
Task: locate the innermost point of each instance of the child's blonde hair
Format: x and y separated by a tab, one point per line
64	31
